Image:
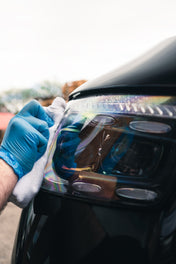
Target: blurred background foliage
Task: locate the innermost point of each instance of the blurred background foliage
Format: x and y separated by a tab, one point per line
13	100
69	87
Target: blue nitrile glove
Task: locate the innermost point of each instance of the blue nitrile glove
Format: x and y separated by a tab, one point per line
67	143
26	138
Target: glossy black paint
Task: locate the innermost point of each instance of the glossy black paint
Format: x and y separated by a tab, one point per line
63	230
58	230
152	73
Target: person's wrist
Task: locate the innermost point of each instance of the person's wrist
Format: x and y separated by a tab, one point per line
12	162
6	167
8	180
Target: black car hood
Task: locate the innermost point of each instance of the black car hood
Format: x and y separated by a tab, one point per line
152	73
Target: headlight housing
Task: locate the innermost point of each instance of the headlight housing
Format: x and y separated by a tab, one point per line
115	149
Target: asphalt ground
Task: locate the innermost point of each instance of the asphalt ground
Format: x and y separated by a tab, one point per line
9	219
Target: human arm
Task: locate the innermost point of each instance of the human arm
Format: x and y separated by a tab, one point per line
8	180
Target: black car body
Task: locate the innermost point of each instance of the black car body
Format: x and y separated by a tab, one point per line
120	209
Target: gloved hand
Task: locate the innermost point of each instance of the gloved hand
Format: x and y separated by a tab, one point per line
28	186
26	138
67	143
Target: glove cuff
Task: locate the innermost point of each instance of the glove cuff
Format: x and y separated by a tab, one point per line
9	159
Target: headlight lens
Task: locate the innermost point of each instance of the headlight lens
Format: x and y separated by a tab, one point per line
115	148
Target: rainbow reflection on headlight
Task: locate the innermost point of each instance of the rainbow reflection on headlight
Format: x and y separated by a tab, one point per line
120	142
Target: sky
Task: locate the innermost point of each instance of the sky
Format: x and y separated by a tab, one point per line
67	40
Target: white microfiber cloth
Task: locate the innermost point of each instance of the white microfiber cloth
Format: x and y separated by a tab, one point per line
28	186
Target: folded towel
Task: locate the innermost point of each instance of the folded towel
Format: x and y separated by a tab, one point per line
28	186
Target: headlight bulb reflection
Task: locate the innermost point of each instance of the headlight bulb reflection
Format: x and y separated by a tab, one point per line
137	194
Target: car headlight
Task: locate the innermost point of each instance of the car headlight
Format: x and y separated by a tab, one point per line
117	149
